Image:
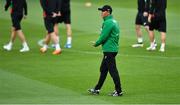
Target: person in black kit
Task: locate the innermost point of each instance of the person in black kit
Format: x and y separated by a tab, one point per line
63	17
141	20
66	19
157	19
18	11
50	8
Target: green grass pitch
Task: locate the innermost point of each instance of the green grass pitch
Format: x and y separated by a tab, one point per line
35	78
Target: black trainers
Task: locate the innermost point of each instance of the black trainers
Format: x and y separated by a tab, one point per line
93	91
115	93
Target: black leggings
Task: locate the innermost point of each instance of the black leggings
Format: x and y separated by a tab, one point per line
109	64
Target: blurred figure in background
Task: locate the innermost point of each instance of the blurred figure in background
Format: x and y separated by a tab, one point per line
141	20
63	17
157	20
18	12
50	9
66	19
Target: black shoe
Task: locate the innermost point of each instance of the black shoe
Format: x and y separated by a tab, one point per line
115	93
93	91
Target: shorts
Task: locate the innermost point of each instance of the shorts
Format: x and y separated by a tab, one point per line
158	24
141	20
49	24
64	18
16	20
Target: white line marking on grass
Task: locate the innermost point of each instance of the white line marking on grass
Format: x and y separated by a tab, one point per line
124	55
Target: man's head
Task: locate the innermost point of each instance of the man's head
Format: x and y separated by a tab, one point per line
106	10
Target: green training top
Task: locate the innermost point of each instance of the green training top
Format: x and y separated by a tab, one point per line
109	37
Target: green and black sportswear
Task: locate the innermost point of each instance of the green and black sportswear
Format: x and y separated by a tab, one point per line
109	37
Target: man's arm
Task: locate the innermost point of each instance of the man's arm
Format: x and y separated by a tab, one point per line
146	7
162	9
152	6
8	3
59	5
45	7
151	10
104	34
25	7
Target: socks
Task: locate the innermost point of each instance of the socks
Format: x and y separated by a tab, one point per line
24	44
57	47
154	41
162	45
45	46
10	43
69	40
140	40
152	44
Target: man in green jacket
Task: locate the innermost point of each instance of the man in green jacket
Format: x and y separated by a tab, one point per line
109	39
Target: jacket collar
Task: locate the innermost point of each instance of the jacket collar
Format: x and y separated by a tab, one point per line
108	17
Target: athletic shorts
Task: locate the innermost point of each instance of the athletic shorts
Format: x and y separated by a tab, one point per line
49	24
158	24
16	20
141	20
64	18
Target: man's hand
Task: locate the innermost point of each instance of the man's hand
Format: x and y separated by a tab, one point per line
5	8
145	14
92	43
54	14
149	18
59	13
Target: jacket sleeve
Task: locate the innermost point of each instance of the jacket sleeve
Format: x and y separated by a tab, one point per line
25	7
45	7
59	5
161	6
146	7
8	3
107	27
152	6
162	9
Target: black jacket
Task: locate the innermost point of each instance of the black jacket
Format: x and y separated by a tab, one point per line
158	8
143	6
50	6
18	6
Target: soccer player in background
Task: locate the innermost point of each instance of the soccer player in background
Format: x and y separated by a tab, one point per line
50	7
66	19
157	19
63	17
18	11
141	20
